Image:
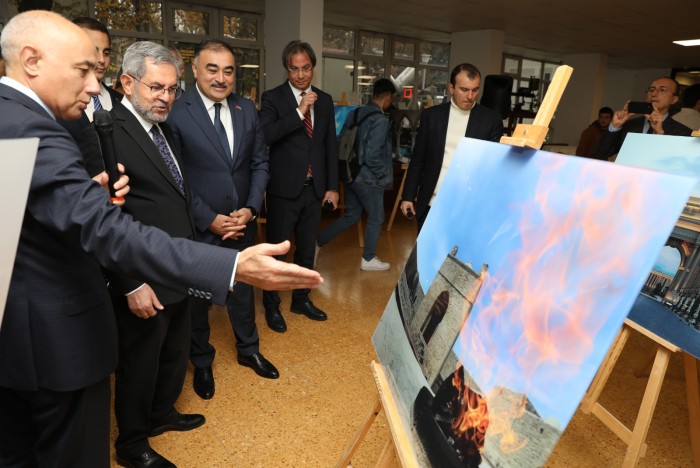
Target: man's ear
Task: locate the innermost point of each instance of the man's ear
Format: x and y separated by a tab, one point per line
128	84
30	60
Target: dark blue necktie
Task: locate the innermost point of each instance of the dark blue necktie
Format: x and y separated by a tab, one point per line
96	102
220	130
162	146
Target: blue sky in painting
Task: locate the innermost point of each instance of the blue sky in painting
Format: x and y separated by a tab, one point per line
673	154
500	205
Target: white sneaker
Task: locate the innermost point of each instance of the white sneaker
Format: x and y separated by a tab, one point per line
316	252
374	265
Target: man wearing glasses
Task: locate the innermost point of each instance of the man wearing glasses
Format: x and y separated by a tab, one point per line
153	322
662	94
299	125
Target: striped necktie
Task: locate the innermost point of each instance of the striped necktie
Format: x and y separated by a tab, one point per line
96	102
309	131
307	120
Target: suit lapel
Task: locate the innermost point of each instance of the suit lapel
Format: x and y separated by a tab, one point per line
473	121
134	129
237	120
200	115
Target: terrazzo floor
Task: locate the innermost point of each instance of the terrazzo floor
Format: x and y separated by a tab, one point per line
307	416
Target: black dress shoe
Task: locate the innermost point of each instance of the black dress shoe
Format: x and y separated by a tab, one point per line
260	365
177	422
148	459
309	309
203	382
275	320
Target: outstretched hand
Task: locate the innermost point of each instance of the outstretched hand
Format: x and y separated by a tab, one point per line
258	267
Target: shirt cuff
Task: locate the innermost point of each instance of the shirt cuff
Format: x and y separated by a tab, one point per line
301	116
232	283
144	284
612	129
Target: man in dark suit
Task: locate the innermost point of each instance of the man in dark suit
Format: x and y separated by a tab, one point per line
299	124
225	161
58	340
106	97
662	94
441	129
153	322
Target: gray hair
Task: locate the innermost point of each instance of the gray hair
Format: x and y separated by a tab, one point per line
134	62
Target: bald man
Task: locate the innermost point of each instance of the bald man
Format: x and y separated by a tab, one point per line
58	341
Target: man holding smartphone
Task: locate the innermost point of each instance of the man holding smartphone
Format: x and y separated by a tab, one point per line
661	94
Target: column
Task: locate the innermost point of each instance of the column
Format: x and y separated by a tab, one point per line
484	49
286	20
582	99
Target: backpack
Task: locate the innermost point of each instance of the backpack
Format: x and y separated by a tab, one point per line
348	157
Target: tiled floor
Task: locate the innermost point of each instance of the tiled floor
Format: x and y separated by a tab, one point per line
306	417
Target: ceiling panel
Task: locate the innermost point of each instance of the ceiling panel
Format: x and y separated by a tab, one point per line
634	33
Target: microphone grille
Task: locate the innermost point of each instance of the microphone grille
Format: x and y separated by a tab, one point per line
102	118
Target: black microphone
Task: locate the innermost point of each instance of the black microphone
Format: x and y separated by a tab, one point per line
103	124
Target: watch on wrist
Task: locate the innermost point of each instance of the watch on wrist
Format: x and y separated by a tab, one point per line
253	212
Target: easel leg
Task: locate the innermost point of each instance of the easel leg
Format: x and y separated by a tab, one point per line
601	378
646	411
691	385
359	434
398	198
387	458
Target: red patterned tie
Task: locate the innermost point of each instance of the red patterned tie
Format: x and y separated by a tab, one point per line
309	131
307	120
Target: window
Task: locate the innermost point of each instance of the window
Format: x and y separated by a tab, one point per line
531	79
130	15
240	27
183	26
353	60
338	41
191	22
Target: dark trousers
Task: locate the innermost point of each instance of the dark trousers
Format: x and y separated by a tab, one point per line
299	216
241	312
151	371
45	428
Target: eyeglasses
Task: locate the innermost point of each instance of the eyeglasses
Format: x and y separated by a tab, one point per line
160	90
306	69
660	90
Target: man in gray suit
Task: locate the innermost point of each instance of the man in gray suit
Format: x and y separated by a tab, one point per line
58	341
225	161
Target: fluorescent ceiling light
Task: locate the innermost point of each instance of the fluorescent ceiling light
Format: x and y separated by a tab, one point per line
688	43
250	65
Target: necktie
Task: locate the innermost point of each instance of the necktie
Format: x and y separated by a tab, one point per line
309	131
307	120
96	102
220	130
162	146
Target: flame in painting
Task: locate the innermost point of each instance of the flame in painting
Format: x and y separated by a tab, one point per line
536	317
472	419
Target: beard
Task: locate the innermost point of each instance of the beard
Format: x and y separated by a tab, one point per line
145	110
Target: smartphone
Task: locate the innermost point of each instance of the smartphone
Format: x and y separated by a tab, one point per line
638	107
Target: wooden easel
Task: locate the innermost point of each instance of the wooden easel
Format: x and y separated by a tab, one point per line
533	135
398	443
636	437
524	135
